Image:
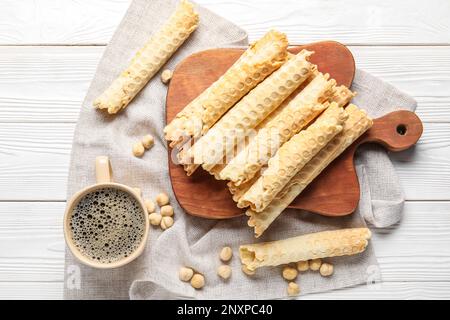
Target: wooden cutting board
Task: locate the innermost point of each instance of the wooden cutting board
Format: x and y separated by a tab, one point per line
335	192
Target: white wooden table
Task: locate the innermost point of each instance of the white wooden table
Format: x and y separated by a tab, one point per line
48	53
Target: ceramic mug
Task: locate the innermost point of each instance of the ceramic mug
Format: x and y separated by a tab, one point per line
103	173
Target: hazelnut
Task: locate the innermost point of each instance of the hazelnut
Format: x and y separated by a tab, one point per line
326	269
289	273
198	281
185	274
148	141
224	271
166	211
166	222
138	149
155	219
162	199
150	205
315	264
166	75
302	266
225	254
293	289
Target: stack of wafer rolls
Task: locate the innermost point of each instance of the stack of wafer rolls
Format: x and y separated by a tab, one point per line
149	59
269	126
292	118
237	124
255	64
357	123
341	95
306	247
291	157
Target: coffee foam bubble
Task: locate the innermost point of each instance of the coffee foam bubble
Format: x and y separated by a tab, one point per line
107	225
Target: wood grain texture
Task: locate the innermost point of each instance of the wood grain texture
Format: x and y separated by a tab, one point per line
375	22
204	196
36	290
34	159
55	79
389	291
414	254
60	22
32	247
386	291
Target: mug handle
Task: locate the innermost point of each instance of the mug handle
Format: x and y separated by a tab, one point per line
103	171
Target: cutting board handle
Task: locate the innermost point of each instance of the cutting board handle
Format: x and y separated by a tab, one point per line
396	131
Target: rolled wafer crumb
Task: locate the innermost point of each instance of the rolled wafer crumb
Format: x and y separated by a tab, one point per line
198	281
167	211
162	199
138	149
224	271
185	274
155	219
148	141
303	266
326	269
225	254
166	75
315	264
150	205
247	271
289	273
293	289
166	222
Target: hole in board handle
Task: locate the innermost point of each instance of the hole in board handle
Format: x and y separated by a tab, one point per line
401	129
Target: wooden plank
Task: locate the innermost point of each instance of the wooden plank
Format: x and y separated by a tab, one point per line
418	249
34	162
60	22
55	79
375	22
31	290
32	242
387	290
45	83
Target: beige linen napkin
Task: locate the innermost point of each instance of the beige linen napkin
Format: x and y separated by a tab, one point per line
193	241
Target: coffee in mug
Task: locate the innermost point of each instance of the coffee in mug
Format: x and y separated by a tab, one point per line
106	225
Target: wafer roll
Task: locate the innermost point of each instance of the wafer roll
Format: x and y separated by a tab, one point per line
291	158
356	124
342	96
295	115
235	125
306	247
240	190
149	59
215	171
255	64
